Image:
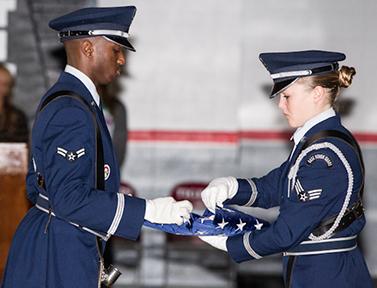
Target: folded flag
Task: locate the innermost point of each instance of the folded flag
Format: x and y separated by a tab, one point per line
226	221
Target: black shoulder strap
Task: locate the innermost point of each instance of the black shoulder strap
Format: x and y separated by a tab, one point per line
356	210
100	181
343	136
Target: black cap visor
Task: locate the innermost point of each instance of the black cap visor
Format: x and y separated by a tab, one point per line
280	85
121	41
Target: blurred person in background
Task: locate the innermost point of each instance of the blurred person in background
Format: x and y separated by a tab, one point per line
116	119
115	113
318	188
73	178
13	121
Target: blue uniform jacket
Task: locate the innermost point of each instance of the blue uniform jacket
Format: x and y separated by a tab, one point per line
317	192
63	151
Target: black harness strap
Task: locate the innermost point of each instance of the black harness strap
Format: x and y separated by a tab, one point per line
289	272
100	177
356	210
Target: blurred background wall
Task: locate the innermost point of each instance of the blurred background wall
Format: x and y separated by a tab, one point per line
195	91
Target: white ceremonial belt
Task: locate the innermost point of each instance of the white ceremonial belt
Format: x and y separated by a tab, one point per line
332	245
43	205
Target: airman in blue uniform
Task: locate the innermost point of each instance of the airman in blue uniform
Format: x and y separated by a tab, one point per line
73	178
318	188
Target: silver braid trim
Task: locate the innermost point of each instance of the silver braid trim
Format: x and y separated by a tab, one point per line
118	214
292	178
254	193
246	244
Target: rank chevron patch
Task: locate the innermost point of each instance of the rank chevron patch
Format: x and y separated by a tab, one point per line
70	155
303	195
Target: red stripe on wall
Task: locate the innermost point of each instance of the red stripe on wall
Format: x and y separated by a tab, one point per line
183	136
265	135
366	137
223	136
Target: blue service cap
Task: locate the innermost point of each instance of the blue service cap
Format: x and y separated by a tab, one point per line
111	22
286	67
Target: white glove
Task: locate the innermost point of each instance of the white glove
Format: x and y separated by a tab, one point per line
219	190
166	210
218	242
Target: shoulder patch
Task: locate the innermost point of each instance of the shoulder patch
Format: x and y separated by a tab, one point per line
306	195
320	156
70	155
107	171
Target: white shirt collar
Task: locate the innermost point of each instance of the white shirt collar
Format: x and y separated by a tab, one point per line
301	131
85	80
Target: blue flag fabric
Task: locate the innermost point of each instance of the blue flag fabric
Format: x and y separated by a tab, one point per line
225	222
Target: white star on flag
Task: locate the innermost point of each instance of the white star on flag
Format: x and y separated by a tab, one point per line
241	225
222	224
259	225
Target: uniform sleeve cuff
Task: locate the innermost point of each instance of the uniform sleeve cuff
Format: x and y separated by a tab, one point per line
239	248
246	194
132	219
118	214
